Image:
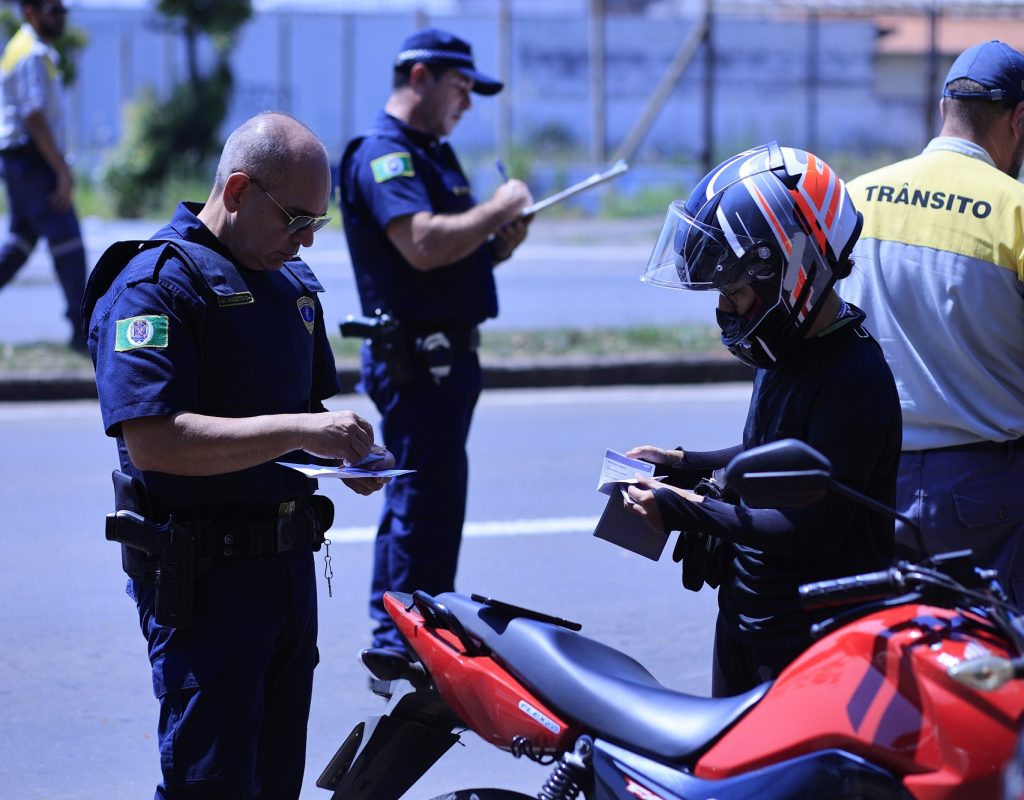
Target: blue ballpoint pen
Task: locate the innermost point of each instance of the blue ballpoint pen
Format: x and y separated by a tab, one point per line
501	170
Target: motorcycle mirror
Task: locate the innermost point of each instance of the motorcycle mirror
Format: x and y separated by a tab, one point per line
790	473
782	474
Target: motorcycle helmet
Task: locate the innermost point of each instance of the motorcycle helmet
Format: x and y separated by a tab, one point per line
774	218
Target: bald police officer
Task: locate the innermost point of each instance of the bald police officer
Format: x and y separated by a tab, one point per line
212	363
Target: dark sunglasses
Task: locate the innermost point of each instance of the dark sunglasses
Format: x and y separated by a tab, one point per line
53	10
298	223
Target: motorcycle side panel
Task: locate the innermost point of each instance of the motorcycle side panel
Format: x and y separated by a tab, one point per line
483	695
878	689
833	774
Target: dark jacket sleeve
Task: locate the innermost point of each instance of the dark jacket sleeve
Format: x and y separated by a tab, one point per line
766	529
693	466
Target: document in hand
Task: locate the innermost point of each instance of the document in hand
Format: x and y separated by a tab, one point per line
618	524
614	171
317	471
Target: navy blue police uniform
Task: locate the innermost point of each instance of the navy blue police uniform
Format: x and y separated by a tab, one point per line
175	324
394	171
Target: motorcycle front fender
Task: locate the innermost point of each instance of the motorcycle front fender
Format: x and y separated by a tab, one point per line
385	755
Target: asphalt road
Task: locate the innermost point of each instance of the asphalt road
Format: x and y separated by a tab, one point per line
77	715
568	274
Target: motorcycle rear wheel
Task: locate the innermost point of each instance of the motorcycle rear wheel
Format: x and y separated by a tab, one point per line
483	794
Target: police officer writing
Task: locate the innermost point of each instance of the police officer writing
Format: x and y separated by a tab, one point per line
32	148
423	251
212	362
940	272
771	230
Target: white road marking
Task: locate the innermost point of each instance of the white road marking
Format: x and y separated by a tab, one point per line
483	530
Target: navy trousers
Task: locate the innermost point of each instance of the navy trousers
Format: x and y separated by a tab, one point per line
425	425
235	688
737	666
30	181
964	499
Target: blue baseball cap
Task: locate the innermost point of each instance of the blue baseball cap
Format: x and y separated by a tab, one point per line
433	46
996	66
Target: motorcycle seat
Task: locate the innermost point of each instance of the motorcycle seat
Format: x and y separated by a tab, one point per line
600	689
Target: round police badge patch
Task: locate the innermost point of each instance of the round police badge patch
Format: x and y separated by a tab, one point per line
133	333
307	310
140	332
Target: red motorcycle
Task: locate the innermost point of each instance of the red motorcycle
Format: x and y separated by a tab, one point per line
910	690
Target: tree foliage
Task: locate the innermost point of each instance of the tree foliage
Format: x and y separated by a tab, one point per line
178	134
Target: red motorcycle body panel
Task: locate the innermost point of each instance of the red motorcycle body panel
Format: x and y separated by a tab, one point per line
484	696
878	688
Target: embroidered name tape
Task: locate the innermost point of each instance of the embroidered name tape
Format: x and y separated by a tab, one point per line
393	165
136	332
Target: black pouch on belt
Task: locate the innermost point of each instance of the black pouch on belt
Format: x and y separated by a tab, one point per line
323	516
309	524
436	353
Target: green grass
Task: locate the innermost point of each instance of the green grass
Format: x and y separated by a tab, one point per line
671	340
693	340
41	357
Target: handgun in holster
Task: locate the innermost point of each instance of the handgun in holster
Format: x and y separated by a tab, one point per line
388	343
163	556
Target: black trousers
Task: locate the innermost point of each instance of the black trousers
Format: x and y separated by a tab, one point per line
738	666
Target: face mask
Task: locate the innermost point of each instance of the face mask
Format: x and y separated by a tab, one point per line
730	323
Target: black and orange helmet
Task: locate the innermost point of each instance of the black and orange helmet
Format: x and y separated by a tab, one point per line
774	218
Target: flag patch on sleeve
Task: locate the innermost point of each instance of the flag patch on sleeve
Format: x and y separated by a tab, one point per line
393	165
136	332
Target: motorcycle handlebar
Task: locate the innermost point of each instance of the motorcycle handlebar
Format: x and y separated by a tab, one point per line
856	588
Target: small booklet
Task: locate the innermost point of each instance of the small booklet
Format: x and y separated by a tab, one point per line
319	471
618	524
614	171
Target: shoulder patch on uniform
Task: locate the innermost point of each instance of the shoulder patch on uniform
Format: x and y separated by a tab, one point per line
393	165
307	310
136	332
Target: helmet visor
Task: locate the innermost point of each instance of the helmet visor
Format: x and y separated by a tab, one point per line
692	255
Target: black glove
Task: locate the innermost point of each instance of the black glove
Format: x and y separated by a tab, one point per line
706	558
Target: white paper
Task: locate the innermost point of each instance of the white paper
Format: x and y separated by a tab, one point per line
614	171
617	469
318	471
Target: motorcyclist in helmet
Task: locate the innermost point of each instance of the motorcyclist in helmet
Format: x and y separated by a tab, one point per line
771	230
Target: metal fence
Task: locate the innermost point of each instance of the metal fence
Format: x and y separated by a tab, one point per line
673	88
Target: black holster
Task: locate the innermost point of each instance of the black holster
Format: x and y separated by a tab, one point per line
163	556
160	556
389	343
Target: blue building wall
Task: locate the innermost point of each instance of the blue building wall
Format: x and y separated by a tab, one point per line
333	72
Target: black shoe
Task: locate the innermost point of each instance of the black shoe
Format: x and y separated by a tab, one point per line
389	664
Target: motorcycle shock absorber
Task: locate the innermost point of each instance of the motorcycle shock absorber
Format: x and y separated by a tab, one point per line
566	778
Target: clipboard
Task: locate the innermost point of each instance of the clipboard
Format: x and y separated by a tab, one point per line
613	171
